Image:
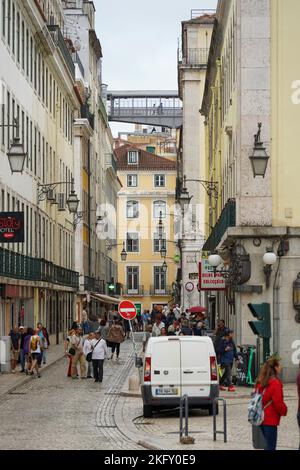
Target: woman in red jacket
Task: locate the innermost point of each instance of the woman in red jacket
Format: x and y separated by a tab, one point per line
274	406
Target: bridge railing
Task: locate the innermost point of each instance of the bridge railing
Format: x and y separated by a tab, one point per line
145	112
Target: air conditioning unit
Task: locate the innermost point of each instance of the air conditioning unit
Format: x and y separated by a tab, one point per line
51	195
61	202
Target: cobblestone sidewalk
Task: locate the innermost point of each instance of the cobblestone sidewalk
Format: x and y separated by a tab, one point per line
9	382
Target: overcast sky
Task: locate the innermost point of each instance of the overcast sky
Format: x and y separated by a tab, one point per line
139	40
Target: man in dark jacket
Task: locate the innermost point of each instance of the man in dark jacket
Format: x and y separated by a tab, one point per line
219	335
228	354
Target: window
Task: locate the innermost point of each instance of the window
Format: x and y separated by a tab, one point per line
13	28
3	17
18	38
132	210
132	181
132	242
27	52
159	209
133	157
8	21
132	277
159	280
158	244
159	181
23	45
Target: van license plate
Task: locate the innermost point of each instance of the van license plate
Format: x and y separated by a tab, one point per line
166	391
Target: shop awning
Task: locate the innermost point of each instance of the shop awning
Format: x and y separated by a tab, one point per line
106	299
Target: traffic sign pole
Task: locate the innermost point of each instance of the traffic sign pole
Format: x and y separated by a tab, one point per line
133	341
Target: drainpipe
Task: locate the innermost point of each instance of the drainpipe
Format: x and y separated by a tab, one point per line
276	310
89	206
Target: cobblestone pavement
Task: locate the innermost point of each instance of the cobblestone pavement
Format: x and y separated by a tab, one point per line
162	430
56	412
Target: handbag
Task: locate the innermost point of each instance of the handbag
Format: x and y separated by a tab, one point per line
89	356
72	351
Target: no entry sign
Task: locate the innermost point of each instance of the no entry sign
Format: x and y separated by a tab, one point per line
127	310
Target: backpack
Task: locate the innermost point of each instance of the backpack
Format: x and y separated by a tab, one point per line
34	343
256	412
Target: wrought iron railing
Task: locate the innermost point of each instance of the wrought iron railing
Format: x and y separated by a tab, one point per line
128	290
85	113
94	285
59	41
227	219
194	56
158	291
18	266
76	60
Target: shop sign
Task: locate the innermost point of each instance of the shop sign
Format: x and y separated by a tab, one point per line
208	280
11	227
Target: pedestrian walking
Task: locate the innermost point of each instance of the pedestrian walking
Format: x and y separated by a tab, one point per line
219	335
76	343
15	347
116	336
67	347
86	325
23	333
228	354
127	328
104	329
145	319
100	352
269	384
186	330
43	333
298	414
87	348
27	350
157	327
198	330
36	353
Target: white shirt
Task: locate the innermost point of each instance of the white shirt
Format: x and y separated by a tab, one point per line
100	350
87	346
156	329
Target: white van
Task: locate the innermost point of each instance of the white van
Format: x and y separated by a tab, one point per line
179	365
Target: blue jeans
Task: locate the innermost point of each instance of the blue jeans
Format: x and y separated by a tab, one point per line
270	434
22	359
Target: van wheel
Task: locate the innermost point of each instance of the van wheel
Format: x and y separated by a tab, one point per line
211	411
147	411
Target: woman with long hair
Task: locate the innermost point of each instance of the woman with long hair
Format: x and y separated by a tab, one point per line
269	384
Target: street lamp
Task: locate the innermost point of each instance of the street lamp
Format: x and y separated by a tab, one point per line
160	227
73	201
163	252
79	216
211	187
184	198
123	253
16	154
164	267
259	159
269	260
296	297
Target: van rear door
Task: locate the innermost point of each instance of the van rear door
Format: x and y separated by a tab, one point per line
165	368
195	362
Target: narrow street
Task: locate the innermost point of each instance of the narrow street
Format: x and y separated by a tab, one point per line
56	412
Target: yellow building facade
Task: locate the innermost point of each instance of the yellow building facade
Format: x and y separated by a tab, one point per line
147	196
253	80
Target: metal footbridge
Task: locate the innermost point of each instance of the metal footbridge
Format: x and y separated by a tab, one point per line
154	108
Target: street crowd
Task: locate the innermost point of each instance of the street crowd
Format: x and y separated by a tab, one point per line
87	346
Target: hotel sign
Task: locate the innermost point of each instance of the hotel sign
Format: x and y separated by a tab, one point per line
11	227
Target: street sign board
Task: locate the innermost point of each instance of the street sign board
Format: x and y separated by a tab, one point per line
208	280
127	310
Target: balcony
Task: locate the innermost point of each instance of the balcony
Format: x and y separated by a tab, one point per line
129	291
76	60
17	266
85	114
111	162
226	220
195	57
159	292
94	285
59	41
